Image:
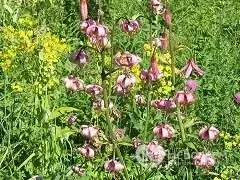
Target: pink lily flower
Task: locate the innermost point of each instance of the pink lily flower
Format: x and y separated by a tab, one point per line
205	160
113	166
190	67
164	131
129	26
209	133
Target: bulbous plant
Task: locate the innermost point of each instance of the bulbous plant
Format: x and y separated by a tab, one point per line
120	69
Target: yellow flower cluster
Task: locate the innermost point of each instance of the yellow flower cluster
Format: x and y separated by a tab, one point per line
29	44
230	141
16	87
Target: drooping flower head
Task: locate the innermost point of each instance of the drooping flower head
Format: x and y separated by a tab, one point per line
97	30
190	67
129	26
87	23
88	132
86	151
98	104
74	83
237	97
205	160
155	152
184	98
126	59
168	17
79	57
165	104
78	170
191	85
209	133
164	131
72	120
94	89
140	99
161	42
157	6
124	83
113	166
153	74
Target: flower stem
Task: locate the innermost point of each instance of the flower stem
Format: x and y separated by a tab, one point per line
148	111
183	135
171	48
107	114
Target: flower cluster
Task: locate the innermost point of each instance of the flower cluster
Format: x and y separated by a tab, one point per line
230	141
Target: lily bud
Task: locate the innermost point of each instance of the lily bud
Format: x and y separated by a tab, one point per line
88	132
126	59
164	131
126	81
74	83
161	42
237	97
155	152
120	133
99	104
157	6
79	57
185	98
84	9
209	133
78	170
72	120
94	89
113	166
86	151
129	26
136	142
191	85
164	104
87	23
139	99
205	160
168	17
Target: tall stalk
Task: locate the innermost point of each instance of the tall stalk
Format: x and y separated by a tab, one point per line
171	48
107	114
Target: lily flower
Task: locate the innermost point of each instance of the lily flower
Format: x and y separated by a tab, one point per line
126	59
79	57
209	133
113	166
165	104
205	160
88	132
129	26
153	74
74	83
190	67
86	151
94	89
155	152
164	131
237	97
185	98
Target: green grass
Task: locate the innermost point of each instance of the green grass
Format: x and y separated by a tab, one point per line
33	143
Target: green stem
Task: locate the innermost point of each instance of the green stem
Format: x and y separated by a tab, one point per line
107	114
148	112
171	48
183	135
